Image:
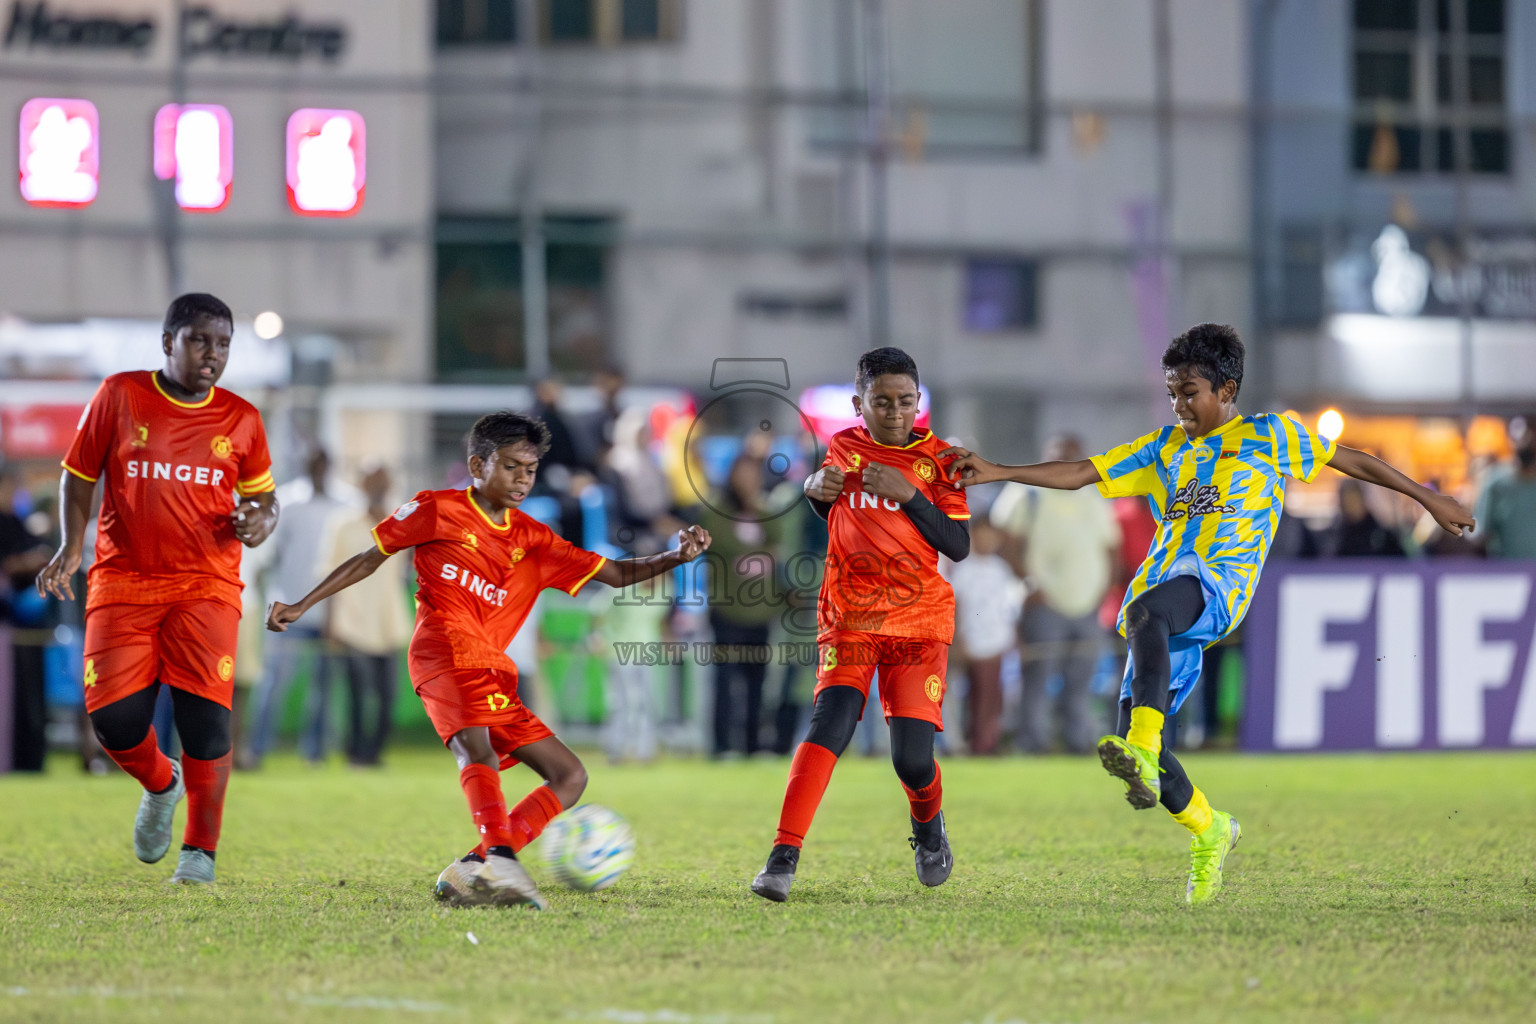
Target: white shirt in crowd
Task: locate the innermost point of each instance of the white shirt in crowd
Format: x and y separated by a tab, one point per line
372	615
302	528
988	597
1069	538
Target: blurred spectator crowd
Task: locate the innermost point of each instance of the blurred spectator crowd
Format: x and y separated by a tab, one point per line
719	657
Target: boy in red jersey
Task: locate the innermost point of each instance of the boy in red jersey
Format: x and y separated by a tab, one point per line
891	510
163	598
480	564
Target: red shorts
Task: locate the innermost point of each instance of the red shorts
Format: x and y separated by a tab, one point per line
189	645
911	671
466	698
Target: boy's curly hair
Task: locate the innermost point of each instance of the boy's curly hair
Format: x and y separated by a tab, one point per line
878	362
1213	351
499	429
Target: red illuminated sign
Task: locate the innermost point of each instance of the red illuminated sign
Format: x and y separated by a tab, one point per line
38	431
60	152
194	145
327	162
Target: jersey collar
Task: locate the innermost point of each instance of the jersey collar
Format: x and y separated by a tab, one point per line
154	378
470	497
1215	435
910	444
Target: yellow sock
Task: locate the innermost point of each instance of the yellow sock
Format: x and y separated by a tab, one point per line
1197	816
1146	729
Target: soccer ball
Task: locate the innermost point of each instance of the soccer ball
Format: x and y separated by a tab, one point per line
588	847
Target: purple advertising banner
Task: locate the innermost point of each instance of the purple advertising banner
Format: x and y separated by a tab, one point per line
1386	654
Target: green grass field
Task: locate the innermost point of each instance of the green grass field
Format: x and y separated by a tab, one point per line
1366	888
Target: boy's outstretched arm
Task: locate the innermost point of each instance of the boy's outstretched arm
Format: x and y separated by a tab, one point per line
359	567
691	543
949	537
970	469
1451	514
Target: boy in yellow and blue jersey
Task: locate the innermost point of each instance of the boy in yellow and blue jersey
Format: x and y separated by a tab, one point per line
1216	483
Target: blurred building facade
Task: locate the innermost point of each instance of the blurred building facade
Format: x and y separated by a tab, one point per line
1396	221
980	182
1031	196
103	231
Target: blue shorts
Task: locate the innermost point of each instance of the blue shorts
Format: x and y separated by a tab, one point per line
1186	650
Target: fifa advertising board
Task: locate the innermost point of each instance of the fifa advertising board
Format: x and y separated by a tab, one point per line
1376	654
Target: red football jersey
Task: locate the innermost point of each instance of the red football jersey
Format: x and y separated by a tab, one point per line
882	576
477	581
169	473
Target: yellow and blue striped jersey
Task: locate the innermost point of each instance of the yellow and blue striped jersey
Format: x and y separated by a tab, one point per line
1217	500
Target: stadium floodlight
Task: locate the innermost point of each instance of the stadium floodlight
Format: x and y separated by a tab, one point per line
60	152
267	325
1331	424
194	145
327	162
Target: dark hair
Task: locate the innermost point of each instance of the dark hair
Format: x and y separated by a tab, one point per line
878	362
187	309
499	429
1214	351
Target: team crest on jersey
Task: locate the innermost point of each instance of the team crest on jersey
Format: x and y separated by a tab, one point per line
222	446
406	509
140	436
1203	454
855	458
517	556
933	686
226	668
469	540
925	469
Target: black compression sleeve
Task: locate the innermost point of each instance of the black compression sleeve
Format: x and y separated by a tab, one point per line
821	508
949	537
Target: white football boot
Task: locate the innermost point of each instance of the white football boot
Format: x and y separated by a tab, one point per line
507	882
194	867
152	825
456	885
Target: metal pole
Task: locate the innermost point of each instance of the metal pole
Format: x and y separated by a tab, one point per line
1162	43
530	212
167	211
1162	226
849	126
1261	350
1461	147
877	128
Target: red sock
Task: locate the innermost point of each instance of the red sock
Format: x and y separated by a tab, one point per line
809	774
531	814
482	788
145	763
206	783
926	802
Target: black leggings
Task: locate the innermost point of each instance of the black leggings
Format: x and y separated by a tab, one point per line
1164	611
202	724
836	715
1177	789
